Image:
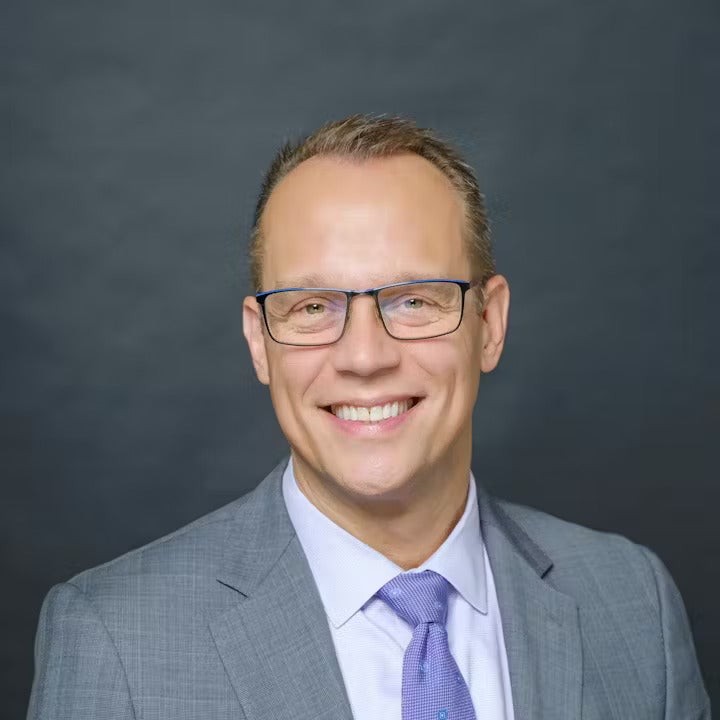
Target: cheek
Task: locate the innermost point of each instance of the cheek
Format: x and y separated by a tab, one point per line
444	357
293	371
452	369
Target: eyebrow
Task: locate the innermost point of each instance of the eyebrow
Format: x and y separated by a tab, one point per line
317	280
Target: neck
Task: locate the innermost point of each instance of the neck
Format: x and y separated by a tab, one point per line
408	528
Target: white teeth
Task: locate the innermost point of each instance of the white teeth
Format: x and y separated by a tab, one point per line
372	414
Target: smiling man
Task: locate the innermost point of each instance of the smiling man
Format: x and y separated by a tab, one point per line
334	364
370	574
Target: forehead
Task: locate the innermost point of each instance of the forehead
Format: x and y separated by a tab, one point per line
361	223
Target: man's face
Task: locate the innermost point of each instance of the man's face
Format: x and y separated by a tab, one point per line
340	223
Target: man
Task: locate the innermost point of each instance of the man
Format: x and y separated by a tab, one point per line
371	575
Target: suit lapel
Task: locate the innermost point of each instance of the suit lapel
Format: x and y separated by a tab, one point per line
275	642
540	625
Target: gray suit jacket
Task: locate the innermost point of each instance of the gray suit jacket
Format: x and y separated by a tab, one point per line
222	620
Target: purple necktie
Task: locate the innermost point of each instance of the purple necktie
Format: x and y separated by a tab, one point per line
432	686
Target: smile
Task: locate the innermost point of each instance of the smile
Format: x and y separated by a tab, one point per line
374	413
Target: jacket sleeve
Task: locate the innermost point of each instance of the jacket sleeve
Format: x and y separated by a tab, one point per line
78	672
685	695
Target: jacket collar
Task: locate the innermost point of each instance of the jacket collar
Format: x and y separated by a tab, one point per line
258	535
275	642
541	626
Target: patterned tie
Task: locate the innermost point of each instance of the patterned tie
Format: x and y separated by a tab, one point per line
432	686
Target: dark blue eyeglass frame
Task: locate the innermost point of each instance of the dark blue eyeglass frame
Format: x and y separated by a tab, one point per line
464	286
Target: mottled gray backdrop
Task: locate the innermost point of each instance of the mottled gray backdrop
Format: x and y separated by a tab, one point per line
134	137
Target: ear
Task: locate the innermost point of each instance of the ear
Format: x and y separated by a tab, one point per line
254	331
494	326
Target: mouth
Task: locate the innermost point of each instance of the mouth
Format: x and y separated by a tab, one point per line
368	414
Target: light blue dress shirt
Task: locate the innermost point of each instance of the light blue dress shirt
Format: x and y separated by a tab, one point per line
370	639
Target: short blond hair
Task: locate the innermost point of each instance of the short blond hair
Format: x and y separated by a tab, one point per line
363	137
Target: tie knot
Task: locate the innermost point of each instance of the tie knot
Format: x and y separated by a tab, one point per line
417	597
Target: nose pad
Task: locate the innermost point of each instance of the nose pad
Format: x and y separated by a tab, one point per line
353	312
365	347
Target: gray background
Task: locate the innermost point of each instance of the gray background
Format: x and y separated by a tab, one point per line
134	139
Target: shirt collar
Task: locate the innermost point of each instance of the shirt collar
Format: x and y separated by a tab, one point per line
348	572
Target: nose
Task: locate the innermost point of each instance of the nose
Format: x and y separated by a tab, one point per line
365	347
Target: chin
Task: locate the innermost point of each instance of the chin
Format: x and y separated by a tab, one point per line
375	478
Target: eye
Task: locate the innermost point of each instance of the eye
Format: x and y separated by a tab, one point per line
414	302
312	306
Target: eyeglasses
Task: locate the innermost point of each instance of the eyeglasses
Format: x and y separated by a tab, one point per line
414	310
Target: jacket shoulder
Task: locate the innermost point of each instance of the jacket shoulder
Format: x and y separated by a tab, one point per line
591	565
192	551
561	539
